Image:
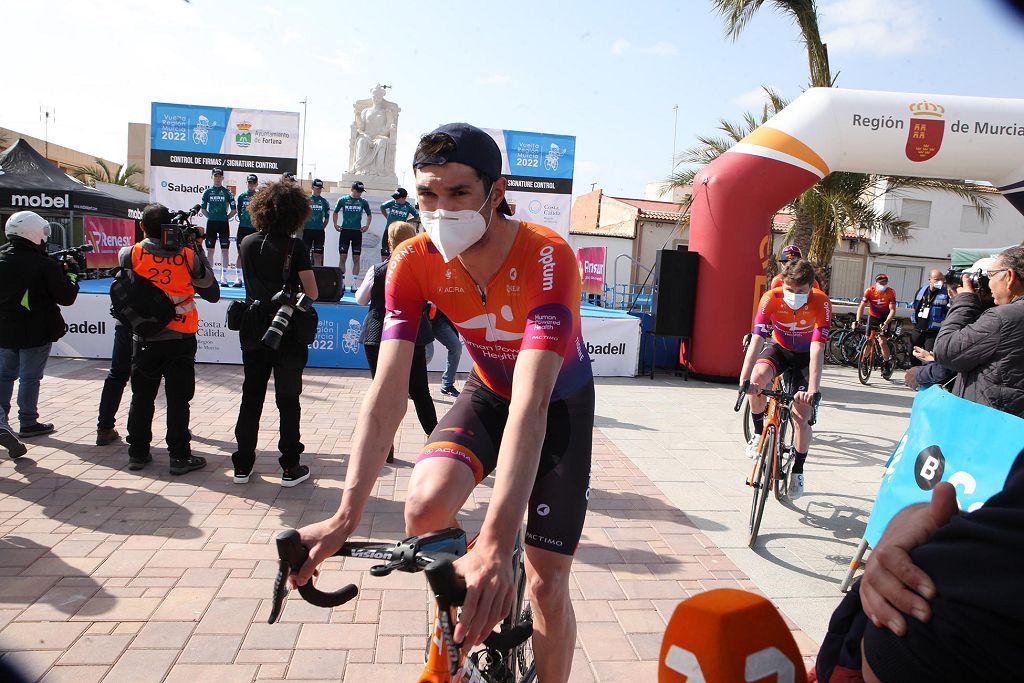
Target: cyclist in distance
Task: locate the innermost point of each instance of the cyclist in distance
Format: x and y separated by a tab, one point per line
799	317
512	289
790	253
881	303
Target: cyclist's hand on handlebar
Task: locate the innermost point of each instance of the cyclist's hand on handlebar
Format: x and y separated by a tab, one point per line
752	388
804	397
323	539
893	585
489	593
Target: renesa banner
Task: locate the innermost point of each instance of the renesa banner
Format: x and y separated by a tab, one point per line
188	141
108	236
539	169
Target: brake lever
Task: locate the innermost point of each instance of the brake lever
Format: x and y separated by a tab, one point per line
815	402
293	554
739	399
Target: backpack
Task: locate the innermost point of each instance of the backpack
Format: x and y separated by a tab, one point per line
136	302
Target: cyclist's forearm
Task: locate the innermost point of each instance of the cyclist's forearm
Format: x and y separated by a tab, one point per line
816	364
754	348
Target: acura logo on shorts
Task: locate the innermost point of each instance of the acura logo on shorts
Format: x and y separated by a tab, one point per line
543	510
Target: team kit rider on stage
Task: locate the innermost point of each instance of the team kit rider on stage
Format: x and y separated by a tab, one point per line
527	412
315	228
397	208
215	204
245	227
351	207
799	317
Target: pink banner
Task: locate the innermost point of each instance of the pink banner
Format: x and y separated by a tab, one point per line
107	235
591	262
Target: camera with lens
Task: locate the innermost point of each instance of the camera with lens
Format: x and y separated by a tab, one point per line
288	302
955	277
180	232
73	258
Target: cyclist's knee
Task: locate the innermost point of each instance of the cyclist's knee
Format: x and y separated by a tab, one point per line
761	376
423	514
549	584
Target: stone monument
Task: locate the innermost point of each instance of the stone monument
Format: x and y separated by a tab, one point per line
371	148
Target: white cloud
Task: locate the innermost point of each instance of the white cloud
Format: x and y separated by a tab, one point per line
339	58
662	49
290	37
620	46
752	99
494	79
881	28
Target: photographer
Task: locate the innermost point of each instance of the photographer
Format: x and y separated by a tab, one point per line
172	260
33	286
986	348
275	265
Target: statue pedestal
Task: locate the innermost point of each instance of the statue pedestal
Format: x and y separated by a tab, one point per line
378	187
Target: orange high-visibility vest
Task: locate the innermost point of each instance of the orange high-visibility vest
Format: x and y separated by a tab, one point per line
173	275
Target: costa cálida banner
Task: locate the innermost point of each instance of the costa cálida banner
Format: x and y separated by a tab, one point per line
539	169
188	141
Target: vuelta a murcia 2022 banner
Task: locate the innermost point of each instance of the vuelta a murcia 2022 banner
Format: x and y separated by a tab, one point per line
539	168
187	141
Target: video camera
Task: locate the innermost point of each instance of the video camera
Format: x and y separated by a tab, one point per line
73	258
288	302
955	276
180	232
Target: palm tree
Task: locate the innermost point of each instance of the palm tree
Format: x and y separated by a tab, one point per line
103	173
841	202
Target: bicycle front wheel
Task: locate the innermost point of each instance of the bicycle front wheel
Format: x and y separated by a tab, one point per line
762	481
848	347
865	362
780	478
748	421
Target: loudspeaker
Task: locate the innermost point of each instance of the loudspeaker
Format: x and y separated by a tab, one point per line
327	283
675	273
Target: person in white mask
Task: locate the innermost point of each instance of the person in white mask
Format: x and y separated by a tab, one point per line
799	318
880	301
512	290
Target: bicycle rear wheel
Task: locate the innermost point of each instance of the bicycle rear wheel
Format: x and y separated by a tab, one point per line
865	362
761	482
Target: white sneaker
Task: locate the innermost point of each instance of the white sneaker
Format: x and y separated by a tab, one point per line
796	485
752	445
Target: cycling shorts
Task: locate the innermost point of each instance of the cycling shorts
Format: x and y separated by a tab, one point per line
217	231
243	232
314	240
781	359
471	433
876	324
353	238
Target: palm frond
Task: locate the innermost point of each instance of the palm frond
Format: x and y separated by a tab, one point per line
978	196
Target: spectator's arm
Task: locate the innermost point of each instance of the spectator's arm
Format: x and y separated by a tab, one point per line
62	287
365	288
933	373
203	280
967	338
308	281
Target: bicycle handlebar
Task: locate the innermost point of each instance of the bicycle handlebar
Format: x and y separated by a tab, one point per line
293	554
739	399
781	396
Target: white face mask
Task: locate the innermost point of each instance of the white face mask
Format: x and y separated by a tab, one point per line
453	232
936	285
881	287
794	300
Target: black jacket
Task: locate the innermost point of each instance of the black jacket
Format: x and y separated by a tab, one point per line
987	350
373	323
33	287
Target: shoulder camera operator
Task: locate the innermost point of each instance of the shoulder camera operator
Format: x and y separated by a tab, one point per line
275	267
986	347
33	287
171	258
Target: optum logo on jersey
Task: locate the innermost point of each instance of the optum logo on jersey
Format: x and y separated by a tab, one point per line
41	201
547	260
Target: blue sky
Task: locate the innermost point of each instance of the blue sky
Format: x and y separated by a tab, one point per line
607	72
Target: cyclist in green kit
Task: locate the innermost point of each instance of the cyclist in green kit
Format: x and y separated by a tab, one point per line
351	207
244	222
217	201
319	214
398	208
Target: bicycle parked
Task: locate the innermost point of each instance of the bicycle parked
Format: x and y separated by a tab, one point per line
775	450
869	353
506	655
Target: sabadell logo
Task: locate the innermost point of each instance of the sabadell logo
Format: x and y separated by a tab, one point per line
180	187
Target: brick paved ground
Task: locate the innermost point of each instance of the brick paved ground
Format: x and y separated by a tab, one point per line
121	576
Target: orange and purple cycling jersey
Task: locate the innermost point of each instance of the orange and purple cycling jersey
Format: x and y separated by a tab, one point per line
879	303
532	302
794	329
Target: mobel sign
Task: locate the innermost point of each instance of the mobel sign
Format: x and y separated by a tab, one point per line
40	201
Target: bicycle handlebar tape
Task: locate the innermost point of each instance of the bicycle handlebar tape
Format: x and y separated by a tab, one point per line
448	587
739	399
728	635
291	550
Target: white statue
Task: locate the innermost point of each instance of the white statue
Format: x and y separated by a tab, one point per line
374	132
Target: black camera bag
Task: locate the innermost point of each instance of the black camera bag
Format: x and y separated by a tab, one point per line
138	303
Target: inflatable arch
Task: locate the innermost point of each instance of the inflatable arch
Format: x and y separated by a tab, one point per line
825	130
